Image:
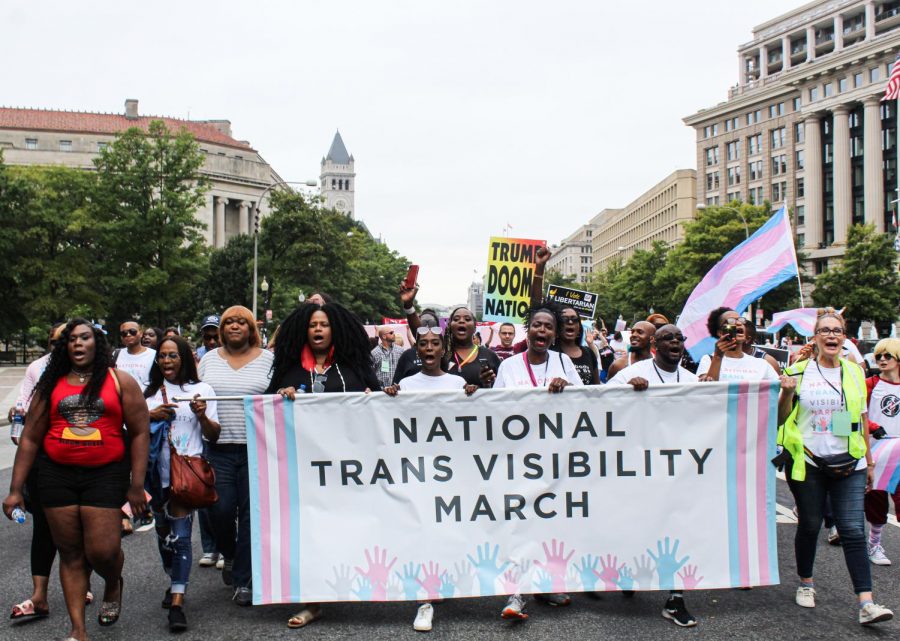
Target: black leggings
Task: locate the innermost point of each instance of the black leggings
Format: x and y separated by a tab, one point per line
43	550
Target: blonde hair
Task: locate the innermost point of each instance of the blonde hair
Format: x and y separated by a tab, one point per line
242	312
890	346
830	312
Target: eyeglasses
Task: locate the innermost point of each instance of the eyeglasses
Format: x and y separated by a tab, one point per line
671	337
172	356
884	355
319	383
830	331
128	332
570	320
422	330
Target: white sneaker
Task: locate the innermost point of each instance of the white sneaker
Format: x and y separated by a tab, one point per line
423	618
220	564
806	597
874	613
208	559
833	537
877	556
515	608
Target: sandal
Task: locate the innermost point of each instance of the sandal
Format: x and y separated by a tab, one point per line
305	616
88	598
110	610
26	610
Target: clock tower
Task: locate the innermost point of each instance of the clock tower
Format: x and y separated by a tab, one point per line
338	180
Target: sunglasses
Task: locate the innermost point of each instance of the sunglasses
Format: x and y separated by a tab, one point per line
319	383
885	356
570	320
128	332
422	330
172	356
671	337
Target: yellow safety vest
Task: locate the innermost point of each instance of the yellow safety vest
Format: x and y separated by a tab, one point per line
854	387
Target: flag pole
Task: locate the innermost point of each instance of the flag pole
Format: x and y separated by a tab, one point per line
799	282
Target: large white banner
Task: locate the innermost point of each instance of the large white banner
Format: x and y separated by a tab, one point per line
439	495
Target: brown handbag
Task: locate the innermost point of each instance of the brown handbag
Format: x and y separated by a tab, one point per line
192	480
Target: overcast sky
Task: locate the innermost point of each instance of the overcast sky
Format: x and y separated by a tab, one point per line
462	116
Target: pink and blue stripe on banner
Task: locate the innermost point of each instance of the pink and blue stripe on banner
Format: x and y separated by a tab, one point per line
803	319
752	427
757	265
274	495
886	456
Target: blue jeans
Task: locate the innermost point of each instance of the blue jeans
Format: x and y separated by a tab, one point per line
173	537
233	487
847	503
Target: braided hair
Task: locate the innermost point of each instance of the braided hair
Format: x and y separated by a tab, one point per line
348	338
60	364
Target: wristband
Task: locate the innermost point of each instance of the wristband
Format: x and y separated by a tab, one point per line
410	311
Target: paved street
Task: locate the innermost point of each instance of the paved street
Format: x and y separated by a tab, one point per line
723	614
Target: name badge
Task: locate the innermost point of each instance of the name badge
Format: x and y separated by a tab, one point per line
840	423
385	366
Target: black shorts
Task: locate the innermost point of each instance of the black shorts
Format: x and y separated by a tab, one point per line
64	485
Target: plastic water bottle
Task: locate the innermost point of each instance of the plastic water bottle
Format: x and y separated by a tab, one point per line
18	423
18	514
302	389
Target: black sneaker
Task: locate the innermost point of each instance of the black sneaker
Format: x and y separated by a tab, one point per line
167	599
675	612
177	620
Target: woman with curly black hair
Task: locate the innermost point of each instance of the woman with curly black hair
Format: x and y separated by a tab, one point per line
74	425
321	349
568	341
475	363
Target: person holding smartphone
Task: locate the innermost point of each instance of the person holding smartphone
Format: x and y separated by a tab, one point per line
729	362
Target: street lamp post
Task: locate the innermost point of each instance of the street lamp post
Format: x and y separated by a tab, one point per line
281	183
264	286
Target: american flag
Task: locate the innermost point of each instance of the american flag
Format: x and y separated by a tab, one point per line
892	91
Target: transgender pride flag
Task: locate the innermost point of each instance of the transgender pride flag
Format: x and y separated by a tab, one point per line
886	456
803	319
756	266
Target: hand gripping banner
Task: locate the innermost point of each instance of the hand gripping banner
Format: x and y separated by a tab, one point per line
438	495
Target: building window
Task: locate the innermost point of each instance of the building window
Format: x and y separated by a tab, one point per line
796	104
842	85
799	133
874	74
712	180
776	110
800	160
813	94
828	89
779	191
101	146
801	189
755	195
801	214
734	177
712	200
715	129
779	165
801	240
827	152
777	138
733	150
756	170
754	144
753	117
857	80
65	145
712	156
733	196
31	143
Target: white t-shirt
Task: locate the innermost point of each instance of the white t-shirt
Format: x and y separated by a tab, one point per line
138	365
186	432
652	373
884	406
513	371
423	382
820	396
746	368
851	352
618	347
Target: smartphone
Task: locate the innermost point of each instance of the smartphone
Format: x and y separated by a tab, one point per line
412	274
484	363
731	330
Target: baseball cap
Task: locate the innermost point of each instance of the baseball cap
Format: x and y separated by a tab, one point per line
210	321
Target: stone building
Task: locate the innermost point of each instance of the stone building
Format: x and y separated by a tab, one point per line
338	179
805	124
237	173
572	257
658	214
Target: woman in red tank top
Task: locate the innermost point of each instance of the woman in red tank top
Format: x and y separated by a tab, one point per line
74	424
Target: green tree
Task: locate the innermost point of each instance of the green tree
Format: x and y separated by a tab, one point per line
149	188
229	280
15	197
866	281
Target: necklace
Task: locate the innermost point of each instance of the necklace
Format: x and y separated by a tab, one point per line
81	374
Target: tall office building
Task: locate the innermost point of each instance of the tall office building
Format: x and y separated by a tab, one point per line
805	124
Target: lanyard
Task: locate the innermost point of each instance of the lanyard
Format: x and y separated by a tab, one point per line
677	373
468	359
839	391
531	373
